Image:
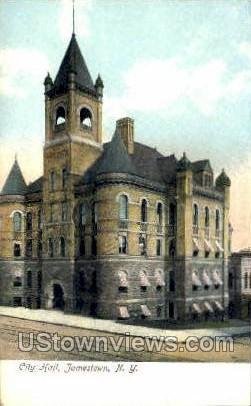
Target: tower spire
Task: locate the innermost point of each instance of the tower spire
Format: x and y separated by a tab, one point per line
73	17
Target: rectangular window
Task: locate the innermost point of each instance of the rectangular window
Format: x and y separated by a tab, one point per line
17	282
122	244
52	213
64	211
17	301
29	279
142	244
94	245
52	181
171	282
82	247
17	250
159	247
64	178
29	248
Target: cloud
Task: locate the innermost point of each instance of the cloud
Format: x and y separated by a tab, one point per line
169	85
18	67
245	49
82	25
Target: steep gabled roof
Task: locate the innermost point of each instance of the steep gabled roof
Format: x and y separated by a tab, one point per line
115	158
15	183
36	186
203	165
73	61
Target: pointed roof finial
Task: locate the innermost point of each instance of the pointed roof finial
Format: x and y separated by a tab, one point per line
16	157
73	17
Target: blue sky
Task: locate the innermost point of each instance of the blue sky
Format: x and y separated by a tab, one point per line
180	68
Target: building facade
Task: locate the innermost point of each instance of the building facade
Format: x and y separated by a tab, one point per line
240	284
114	230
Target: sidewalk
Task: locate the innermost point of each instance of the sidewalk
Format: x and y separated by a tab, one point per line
110	326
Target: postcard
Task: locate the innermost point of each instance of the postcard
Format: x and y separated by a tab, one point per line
125	219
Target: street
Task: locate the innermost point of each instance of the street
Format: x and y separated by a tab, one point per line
10	327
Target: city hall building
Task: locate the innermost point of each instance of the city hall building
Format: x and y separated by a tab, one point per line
114	230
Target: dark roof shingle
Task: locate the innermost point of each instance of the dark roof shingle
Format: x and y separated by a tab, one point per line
73	61
15	183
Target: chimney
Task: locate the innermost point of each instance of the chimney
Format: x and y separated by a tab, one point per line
125	127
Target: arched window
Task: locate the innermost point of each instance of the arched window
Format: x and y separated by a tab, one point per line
52	181
62	247
195	215
159	213
51	248
29	221
17	221
123	207
86	118
82	214
172	214
217	220
144	211
206	217
245	280
60	115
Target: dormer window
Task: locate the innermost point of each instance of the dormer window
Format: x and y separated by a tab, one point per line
60	117
86	118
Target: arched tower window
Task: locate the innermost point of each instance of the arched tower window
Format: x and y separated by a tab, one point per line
86	118
60	115
17	222
159	213
195	215
144	211
207	217
62	247
123	207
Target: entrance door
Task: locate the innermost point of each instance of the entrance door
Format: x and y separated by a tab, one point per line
58	297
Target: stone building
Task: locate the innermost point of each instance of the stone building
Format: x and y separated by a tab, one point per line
114	230
240	284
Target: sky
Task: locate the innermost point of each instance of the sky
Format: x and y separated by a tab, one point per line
180	68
